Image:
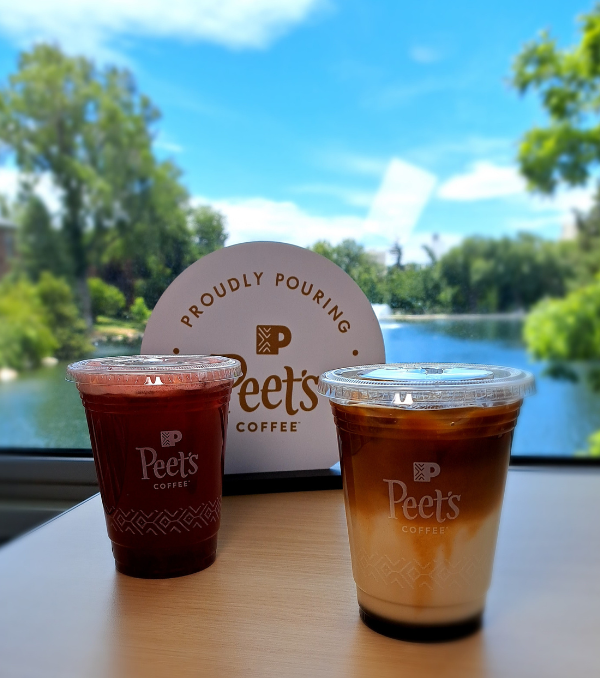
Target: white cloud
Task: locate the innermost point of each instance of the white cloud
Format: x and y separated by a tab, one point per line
168	146
495	149
262	219
353	163
91	26
395	211
484	180
252	219
565	200
350	196
402	196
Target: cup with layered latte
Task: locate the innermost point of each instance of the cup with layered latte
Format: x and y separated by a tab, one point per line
424	452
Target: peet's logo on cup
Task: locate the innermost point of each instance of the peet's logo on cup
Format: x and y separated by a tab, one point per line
424	471
179	466
436	506
270	338
170	438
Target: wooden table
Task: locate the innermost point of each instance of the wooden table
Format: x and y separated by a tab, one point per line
280	600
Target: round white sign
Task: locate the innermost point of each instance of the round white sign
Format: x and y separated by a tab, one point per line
288	315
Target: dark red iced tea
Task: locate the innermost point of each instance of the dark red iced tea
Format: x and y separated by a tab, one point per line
159	452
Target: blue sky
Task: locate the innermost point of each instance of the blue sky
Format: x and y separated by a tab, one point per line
307	119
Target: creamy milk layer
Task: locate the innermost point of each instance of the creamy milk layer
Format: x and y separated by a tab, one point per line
422	577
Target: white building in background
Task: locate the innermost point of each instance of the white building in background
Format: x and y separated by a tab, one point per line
568	229
380	256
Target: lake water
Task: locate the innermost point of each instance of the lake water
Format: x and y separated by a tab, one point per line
40	409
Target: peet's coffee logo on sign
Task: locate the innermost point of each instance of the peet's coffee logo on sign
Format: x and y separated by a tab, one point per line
289	393
270	338
287	314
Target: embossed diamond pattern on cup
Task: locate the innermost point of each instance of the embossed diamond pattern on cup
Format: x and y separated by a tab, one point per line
413	574
164	521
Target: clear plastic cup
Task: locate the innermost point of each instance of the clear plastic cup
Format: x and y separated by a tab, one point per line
424	450
158	428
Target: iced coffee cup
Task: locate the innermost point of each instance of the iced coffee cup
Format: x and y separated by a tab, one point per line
158	428
424	451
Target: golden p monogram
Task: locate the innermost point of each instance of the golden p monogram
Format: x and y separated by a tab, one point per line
270	338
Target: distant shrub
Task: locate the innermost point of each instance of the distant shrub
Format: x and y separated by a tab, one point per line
139	312
593	449
63	317
106	299
566	329
39	320
25	336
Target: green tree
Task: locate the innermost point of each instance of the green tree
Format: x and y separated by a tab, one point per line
106	299
41	246
91	130
358	264
485	275
139	312
412	289
567	149
63	318
146	249
568	328
25	337
208	229
39	320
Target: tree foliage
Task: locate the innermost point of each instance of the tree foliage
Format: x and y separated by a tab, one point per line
25	337
39	320
107	299
480	275
506	274
208	229
122	211
139	312
361	266
62	317
568	328
413	289
41	246
567	81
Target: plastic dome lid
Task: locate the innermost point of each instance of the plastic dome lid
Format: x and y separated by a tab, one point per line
150	370
427	385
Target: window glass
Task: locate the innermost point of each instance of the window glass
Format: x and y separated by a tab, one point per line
426	148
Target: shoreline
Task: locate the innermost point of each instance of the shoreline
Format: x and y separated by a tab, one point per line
515	315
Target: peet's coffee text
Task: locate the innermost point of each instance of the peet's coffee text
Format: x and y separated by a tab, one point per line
426	507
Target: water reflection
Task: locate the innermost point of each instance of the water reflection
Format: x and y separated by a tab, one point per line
41	409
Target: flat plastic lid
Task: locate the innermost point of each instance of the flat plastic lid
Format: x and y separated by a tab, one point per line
152	370
427	385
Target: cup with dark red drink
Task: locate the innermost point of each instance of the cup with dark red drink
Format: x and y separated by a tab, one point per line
158	427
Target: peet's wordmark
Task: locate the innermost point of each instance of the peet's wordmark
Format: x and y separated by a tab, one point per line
255	279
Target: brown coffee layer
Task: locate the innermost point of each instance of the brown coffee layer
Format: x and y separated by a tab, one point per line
471	446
